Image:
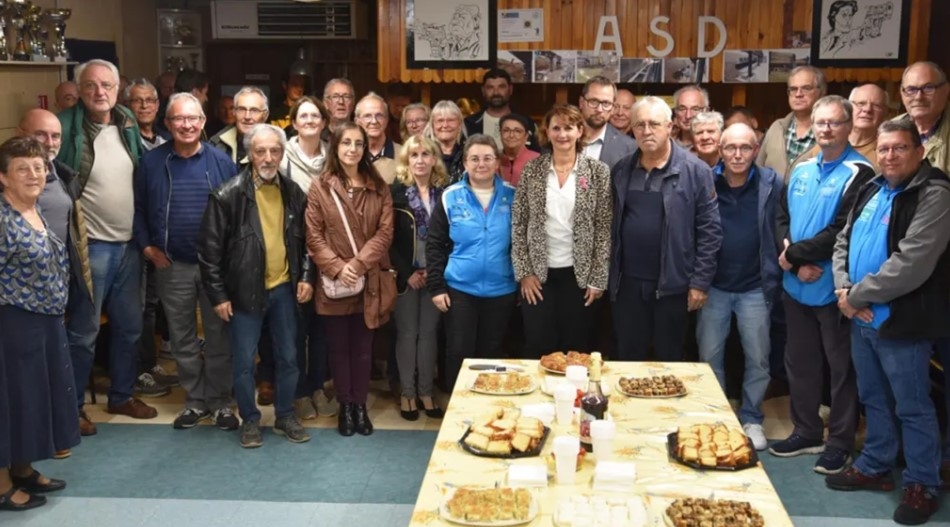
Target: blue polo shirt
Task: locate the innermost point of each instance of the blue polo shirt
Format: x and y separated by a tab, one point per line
867	250
738	268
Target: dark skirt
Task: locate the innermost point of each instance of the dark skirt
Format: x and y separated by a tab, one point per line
38	413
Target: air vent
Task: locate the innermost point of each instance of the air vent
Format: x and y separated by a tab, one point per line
327	19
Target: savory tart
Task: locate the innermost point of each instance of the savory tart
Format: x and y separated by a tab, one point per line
489	505
700	512
510	383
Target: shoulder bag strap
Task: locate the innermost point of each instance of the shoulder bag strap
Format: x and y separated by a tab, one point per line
346	223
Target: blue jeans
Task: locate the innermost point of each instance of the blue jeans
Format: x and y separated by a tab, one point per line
753	314
942	349
894	386
116	283
245	328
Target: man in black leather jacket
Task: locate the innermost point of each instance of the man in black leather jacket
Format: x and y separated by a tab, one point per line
254	267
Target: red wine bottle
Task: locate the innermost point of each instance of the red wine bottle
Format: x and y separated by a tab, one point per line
593	403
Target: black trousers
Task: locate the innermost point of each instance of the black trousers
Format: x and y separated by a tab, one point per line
475	328
560	322
816	334
640	318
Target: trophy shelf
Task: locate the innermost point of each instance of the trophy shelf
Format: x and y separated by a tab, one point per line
36	64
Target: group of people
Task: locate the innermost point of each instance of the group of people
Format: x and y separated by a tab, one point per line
832	226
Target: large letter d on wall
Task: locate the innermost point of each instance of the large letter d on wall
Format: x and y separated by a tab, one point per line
701	41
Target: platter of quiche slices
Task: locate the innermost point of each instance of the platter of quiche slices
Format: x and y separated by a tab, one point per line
711	447
503	433
697	512
489	507
507	383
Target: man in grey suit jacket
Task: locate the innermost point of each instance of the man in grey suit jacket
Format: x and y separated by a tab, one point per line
604	142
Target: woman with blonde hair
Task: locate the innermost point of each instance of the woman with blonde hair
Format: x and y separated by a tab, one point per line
446	128
560	238
420	178
413	121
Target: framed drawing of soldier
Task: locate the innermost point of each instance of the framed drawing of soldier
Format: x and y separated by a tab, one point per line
451	34
860	33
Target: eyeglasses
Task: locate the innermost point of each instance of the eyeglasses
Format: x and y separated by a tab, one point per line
926	89
831	125
862	105
512	131
179	120
90	86
594	103
253	112
652	125
370	117
475	160
897	149
803	89
139	101
338	97
690	109
743	149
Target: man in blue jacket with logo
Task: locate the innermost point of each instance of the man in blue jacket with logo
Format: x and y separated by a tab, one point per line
172	184
892	271
819	195
665	235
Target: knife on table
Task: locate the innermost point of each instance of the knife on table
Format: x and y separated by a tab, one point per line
495	367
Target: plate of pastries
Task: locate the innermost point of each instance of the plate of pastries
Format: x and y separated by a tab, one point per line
488	507
507	383
700	512
655	387
711	447
503	433
558	361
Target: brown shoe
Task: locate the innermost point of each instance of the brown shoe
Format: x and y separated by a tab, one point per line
86	426
135	409
265	393
62	454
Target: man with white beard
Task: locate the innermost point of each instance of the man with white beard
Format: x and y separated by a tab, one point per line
258	277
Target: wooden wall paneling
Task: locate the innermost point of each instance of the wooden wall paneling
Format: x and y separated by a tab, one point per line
685	20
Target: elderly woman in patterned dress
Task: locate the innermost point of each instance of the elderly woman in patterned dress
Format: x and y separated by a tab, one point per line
560	238
38	414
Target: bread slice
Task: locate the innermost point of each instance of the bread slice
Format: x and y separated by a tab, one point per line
484	430
521	443
499	447
504	424
477	441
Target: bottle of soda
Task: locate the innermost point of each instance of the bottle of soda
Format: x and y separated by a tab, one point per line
593	403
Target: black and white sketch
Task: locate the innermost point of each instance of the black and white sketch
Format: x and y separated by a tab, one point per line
593	63
554	66
451	33
685	70
641	70
516	63
783	61
745	65
863	33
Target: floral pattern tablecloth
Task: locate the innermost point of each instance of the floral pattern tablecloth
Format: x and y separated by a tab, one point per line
642	428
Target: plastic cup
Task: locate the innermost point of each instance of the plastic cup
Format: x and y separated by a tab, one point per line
565	458
564	395
577	375
602	434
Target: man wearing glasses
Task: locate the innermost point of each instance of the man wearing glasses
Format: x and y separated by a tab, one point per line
142	98
339	98
172	185
815	208
101	142
689	101
789	139
250	108
372	114
604	142
924	91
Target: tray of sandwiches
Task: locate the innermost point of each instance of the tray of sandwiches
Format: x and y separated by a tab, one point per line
488	507
507	383
711	447
558	361
655	387
690	512
502	433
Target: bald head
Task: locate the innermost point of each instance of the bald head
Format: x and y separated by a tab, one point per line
738	147
623	110
67	95
870	104
44	126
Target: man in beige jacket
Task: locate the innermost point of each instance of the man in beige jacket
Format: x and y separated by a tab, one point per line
790	137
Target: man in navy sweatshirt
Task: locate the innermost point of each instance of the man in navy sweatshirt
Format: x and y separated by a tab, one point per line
172	184
747	273
892	273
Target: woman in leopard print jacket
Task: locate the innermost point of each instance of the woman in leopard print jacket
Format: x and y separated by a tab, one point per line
560	240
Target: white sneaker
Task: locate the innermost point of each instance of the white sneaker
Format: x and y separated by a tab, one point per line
325	407
304	410
756	434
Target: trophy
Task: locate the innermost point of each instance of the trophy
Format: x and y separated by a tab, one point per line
35	31
4	51
58	18
17	13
